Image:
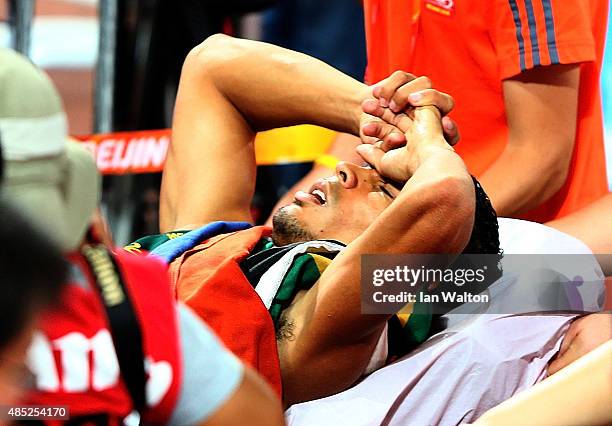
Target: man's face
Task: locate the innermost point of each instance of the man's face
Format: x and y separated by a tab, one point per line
340	207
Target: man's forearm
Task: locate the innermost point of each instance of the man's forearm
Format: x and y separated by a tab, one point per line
434	213
275	87
436	205
541	110
229	90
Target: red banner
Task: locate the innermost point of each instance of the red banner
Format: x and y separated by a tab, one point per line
144	151
129	152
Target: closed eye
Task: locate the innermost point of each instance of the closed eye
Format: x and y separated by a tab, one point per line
386	191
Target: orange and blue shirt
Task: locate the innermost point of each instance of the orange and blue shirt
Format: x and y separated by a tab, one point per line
468	48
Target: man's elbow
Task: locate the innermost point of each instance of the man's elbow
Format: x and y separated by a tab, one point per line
463	204
559	177
214	50
557	172
454	207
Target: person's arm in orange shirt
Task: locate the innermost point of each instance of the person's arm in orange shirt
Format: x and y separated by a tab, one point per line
593	226
541	109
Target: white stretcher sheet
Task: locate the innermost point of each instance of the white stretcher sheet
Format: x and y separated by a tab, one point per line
476	363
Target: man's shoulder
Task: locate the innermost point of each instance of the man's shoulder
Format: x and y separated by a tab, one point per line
171	246
215	253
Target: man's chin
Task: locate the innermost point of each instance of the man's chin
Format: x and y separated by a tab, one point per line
287	228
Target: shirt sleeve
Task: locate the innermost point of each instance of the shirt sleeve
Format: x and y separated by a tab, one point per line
531	33
211	374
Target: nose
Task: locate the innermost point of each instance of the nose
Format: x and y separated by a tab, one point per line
350	174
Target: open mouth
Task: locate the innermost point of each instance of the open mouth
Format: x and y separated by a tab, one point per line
316	195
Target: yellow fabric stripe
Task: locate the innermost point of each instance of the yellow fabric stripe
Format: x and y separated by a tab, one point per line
322	262
296	144
133	248
405	313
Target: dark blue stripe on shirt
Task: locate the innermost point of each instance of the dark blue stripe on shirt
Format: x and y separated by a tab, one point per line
533	33
519	35
551	37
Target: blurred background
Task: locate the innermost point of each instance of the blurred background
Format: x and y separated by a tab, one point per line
117	64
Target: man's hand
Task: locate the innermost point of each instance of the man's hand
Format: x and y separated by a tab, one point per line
378	122
387	115
424	134
584	335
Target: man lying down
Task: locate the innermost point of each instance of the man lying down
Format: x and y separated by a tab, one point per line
417	198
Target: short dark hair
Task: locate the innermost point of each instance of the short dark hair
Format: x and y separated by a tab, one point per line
32	273
485	233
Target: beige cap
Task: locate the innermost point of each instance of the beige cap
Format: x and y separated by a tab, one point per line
52	181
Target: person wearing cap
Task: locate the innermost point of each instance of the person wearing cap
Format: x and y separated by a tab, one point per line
181	373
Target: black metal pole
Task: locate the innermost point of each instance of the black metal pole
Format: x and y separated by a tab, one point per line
21	15
105	67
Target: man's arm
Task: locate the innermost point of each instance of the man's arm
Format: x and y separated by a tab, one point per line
397	93
216	389
541	110
433	213
584	335
593	226
229	90
252	403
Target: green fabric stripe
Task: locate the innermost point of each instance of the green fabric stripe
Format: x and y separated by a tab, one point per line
417	328
302	275
151	242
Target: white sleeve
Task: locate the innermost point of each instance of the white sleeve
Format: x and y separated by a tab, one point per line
211	373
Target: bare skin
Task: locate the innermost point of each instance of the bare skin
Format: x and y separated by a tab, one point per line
584	335
593	226
13	365
252	399
210	175
538	169
343	148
